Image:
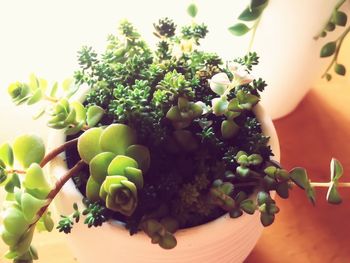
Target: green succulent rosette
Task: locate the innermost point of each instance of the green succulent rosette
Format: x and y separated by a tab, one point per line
116	165
62	115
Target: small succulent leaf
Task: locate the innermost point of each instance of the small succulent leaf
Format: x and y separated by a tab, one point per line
235	213
94	115
243	171
48	222
239	29
340	18
168	241
30	206
80	111
192	10
299	177
267	219
89	144
93	190
255	159
134	175
141	155
98	166
219	83
14	221
219	105
333	196
119	163
54	90
12	182
36	181
328	49
263	198
6	154
240	197
36	97
33	82
67	84
336	170
229	129
311	194
270	171
340	69
226	188
170	224
258	3
28	149
248	206
117	138
282	190
250	14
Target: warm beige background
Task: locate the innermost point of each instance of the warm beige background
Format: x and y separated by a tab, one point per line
316	131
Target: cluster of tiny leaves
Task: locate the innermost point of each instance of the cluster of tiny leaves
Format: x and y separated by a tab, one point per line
332	48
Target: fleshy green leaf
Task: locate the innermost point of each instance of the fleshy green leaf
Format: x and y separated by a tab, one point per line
333	196
141	154
258	3
80	111
99	165
248	206
54	89
28	149
35	182
239	29
340	69
328	49
89	144
311	194
30	206
282	190
336	170
192	10
117	138
38	94
267	219
6	154
299	177
250	14
340	18
94	115
229	129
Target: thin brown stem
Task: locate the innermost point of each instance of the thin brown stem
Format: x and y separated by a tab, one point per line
57	151
58	186
14	171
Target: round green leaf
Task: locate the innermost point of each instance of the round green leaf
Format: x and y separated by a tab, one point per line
94	115
239	29
192	10
119	163
29	149
229	129
99	165
36	181
340	69
36	97
141	155
6	154
330	27
117	138
250	14
30	206
266	219
93	190
14	221
168	241
248	206
340	18
328	49
89	144
219	105
80	111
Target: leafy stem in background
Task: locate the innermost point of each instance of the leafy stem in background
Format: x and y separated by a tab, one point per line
338	18
252	13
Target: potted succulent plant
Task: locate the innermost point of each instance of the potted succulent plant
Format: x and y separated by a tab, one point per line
163	141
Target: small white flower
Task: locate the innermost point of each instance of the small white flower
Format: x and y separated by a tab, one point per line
219	83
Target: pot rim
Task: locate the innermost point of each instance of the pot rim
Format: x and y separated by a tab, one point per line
57	167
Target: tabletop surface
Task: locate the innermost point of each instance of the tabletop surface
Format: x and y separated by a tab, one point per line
301	232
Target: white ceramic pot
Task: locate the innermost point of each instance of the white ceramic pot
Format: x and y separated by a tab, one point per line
223	240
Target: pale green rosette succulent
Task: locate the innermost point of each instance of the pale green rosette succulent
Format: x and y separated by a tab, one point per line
116	165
